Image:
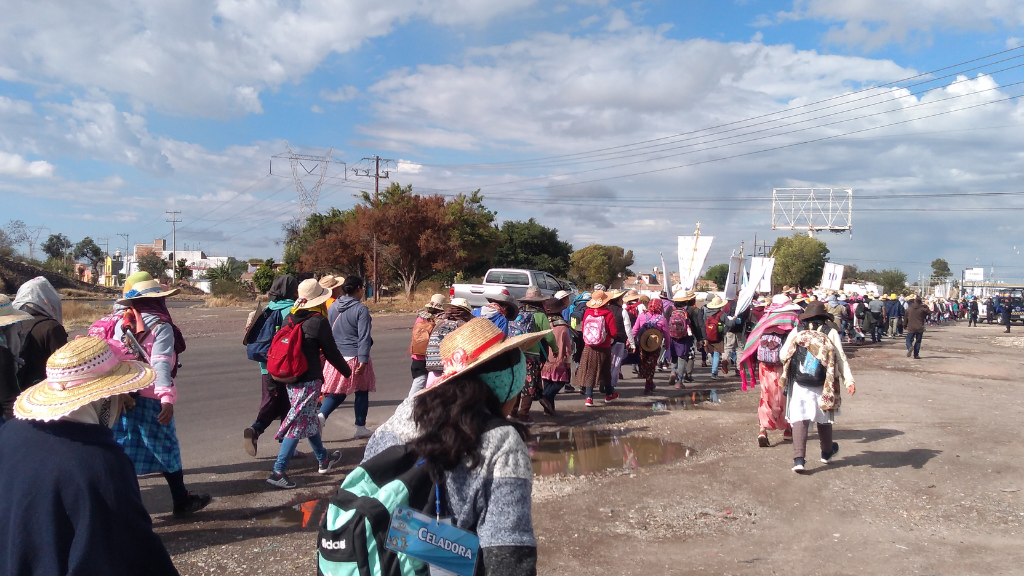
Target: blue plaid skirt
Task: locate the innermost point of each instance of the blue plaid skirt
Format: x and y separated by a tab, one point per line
152	446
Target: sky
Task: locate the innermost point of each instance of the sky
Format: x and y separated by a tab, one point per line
619	123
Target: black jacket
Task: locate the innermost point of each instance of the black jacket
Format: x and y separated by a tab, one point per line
45	337
620	323
77	510
317	338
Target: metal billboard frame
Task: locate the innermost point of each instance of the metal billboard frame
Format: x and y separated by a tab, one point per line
813	209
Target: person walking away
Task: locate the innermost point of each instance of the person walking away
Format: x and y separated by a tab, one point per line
10	350
557	371
599	332
274	403
714	332
147	431
306	320
71	501
332	283
422	327
474	455
351	326
990	308
623	336
837	308
44	334
632	308
815	369
532	318
761	364
1007	312
456	314
650	332
972	312
685	336
893	316
917	314
735	335
876	313
576	311
500	309
860	315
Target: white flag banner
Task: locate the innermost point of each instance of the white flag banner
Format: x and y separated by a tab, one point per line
765	286
667	282
832	276
693	250
758	268
732	281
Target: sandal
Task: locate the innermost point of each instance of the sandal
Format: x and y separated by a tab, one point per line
762	440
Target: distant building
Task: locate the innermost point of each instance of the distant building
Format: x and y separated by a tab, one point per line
195	260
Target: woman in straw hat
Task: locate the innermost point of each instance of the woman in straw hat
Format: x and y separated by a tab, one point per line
714	313
557	370
456	314
532	318
10	347
71	502
459	428
351	326
301	421
685	334
653	319
147	432
599	333
332	283
44	334
819	346
422	327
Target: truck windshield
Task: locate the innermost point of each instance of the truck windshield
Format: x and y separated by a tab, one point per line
510	278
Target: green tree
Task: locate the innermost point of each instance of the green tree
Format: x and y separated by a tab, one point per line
264	275
6	244
155	265
182	270
894	281
231	271
87	249
299	236
597	264
940	269
799	260
57	246
532	246
717	274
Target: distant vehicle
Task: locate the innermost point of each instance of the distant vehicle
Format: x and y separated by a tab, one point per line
510	281
1016	298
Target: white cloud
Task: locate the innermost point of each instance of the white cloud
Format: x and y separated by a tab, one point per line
15	165
343	94
204	57
316	109
875	23
618	21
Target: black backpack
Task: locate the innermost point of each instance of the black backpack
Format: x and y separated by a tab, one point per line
808	371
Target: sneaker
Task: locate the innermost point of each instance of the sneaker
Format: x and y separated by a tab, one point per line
909	353
330	462
589	403
762	440
363	432
687	378
569	388
249	437
323	421
526	420
548	406
714	376
827	456
798	465
194	503
611	397
280	480
672	380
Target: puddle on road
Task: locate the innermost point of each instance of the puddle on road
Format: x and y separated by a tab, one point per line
688	400
305	515
579	451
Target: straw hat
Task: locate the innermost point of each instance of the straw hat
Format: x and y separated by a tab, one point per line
436	302
631	296
533	296
474	343
717	303
142	285
331	282
311	294
78	373
685	296
561	294
462	303
616	294
815	310
8	315
893	296
651	340
598	298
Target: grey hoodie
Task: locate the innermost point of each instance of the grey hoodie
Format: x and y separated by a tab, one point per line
350	324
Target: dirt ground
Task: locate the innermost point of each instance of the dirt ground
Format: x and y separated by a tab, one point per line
927	481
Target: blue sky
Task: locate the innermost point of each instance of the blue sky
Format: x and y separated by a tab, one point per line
109	116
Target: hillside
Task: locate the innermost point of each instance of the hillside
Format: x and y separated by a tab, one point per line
13	274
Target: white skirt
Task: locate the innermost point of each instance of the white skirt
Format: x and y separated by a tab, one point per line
804	404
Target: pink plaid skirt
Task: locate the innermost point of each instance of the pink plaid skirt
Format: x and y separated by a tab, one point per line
335	383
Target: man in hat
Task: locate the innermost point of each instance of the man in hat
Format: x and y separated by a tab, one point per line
421	330
500	309
972	312
71	501
917	315
893	315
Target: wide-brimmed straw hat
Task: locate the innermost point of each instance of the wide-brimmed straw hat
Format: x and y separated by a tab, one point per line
631	296
331	282
78	373
142	285
561	294
311	294
436	302
8	315
616	294
815	310
598	298
684	296
474	343
651	340
462	303
533	296
717	303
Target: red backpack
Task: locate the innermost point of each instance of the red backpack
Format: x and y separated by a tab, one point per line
285	360
714	328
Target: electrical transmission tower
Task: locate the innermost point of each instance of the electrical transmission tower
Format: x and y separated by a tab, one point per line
32	234
308	197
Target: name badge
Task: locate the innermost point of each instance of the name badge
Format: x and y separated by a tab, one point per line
436	543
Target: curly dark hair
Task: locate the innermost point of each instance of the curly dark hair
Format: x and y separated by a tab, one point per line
453	418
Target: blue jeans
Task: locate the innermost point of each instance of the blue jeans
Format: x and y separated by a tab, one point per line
362	406
716	358
288	446
914	343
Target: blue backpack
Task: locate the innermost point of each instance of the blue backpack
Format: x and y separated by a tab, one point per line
265	327
523	324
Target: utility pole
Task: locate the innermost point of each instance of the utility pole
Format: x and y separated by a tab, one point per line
174	244
377	176
124	258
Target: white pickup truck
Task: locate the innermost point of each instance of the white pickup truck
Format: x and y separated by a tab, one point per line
509	281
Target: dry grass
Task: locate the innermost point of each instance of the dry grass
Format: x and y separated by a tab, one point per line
74	293
397	304
81	313
225	302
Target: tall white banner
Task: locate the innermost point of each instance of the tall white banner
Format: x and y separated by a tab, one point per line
667	282
768	264
693	250
832	276
759	267
734	278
